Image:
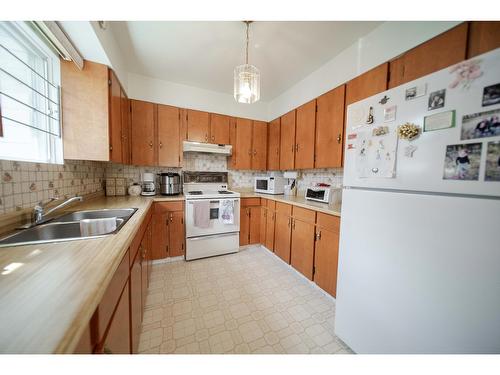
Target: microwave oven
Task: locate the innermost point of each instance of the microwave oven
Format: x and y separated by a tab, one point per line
269	185
321	194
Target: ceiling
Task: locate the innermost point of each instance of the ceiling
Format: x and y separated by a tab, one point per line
204	54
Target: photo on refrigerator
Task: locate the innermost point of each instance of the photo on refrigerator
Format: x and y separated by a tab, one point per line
481	125
462	161
492	162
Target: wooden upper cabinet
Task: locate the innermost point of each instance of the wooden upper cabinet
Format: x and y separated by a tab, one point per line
115	119
304	135
287	141
143	133
367	84
125	109
273	145
85	111
219	129
437	53
243	144
198	126
484	36
259	145
169	143
330	128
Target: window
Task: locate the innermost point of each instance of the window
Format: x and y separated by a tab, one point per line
29	96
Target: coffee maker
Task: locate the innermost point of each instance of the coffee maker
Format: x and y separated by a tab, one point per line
148	184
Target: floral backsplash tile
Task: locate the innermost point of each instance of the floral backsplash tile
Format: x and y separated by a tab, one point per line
22	184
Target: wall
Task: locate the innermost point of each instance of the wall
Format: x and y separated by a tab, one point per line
384	43
25	184
165	92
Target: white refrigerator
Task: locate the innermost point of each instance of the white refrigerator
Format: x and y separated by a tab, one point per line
419	259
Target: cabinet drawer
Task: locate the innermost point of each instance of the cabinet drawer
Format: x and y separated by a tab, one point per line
304	214
328	222
160	207
246	202
112	295
283	208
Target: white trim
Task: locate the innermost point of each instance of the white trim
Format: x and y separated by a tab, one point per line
168	260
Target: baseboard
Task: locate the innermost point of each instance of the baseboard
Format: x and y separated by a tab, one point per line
168	260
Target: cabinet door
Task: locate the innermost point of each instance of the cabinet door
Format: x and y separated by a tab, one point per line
326	256
118	338
273	145
270	219
304	135
169	143
197	126
176	234
287	141
259	145
143	133
243	144
330	128
115	119
244	226
437	53
283	236
302	249
484	36
219	129
135	303
367	84
254	225
125	109
144	273
160	246
263	223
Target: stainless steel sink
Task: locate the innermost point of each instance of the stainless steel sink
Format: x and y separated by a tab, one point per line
67	227
96	214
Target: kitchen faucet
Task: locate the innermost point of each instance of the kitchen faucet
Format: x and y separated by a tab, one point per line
39	213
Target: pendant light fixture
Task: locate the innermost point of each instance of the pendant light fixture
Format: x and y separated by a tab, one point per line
246	79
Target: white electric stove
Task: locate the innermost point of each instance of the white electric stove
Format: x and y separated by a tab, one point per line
217	237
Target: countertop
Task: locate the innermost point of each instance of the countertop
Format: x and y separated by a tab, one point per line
331	209
47	301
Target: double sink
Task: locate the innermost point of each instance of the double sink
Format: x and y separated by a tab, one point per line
68	227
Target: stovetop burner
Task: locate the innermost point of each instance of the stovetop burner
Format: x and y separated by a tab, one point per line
195	192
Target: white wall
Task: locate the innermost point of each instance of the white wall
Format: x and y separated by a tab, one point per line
165	92
384	43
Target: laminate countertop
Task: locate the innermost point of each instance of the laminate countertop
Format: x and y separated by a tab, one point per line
331	209
48	292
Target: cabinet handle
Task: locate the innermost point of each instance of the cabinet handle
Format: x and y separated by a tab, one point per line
277	151
161	144
249	152
318	236
171	217
297	147
107	350
110	148
289	222
254	152
151	144
213	138
206	137
339	138
293	148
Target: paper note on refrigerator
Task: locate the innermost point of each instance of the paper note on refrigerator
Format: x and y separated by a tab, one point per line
376	155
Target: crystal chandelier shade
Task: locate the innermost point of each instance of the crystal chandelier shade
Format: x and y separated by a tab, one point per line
246	80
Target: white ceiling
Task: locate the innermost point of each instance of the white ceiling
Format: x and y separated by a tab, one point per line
204	54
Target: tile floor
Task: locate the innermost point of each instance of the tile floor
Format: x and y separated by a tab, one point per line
249	302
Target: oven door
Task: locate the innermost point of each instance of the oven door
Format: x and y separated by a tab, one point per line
215	225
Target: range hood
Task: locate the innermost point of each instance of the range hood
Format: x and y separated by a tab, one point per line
210	148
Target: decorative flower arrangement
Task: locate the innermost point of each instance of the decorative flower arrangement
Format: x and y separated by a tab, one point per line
465	73
408	131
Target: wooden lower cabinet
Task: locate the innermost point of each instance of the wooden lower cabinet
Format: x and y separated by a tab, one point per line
250	216
326	256
136	303
117	339
283	231
263	223
302	247
270	224
168	230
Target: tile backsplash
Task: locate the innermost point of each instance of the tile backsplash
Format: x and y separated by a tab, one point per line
25	184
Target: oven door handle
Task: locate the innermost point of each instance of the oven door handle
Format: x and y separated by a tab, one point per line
212	236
